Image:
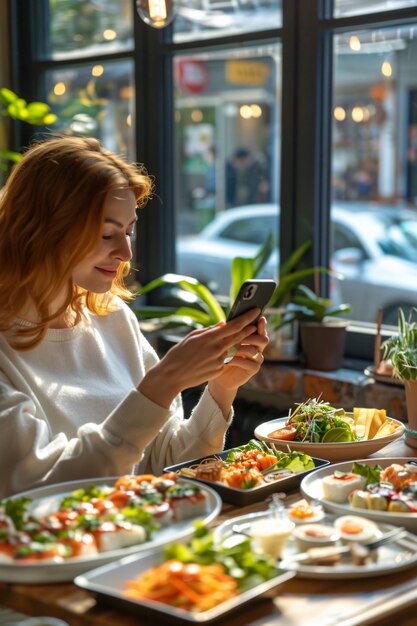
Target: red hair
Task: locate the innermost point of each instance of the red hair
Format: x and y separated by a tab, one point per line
51	217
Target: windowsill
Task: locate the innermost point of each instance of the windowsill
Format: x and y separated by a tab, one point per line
283	384
279	385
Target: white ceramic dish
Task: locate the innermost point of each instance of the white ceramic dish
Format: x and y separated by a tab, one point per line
382	378
47	499
333	452
393	557
311	487
109	582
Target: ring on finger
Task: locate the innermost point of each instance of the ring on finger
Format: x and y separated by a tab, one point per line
258	356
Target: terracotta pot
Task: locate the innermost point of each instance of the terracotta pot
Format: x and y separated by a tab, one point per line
323	344
411	402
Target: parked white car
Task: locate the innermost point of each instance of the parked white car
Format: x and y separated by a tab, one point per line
374	249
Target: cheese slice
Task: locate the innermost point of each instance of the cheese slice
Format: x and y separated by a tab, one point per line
379	418
368	421
387	428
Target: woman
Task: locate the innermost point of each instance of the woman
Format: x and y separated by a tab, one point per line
82	393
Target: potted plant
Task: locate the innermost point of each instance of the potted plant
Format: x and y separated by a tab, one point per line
322	337
196	306
401	350
16	108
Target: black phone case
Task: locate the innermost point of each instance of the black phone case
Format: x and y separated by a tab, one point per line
252	294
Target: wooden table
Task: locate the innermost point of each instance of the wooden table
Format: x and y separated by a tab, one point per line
298	601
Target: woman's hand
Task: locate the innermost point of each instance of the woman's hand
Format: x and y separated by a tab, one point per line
200	357
245	364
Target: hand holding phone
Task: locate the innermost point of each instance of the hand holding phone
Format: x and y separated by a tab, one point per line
252	294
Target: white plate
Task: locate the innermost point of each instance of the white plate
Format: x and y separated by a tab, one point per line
47	499
392	557
311	488
343	451
109	582
382	378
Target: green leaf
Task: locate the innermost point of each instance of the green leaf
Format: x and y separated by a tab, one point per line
17	509
7	96
263	254
288	283
338	309
307	305
242	269
401	348
38	109
246	268
370	473
50	118
182	316
294	259
206	298
9	155
16	112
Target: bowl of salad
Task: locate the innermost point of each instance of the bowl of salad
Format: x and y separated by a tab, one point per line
336	434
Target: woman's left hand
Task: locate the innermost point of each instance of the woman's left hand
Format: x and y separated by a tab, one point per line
245	364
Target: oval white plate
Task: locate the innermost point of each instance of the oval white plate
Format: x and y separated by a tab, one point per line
311	488
392	557
47	499
343	451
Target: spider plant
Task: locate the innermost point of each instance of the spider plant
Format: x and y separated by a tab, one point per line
401	348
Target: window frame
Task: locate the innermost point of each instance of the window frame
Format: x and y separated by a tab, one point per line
306	38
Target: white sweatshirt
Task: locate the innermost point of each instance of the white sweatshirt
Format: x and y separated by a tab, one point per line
69	409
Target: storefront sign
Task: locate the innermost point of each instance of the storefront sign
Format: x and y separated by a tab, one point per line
246	72
192	75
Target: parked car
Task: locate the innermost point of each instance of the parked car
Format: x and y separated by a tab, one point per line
374	249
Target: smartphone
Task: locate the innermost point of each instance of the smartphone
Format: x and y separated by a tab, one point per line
252	294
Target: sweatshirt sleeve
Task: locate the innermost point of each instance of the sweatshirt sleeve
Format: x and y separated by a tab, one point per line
57	428
30	456
138	433
182	440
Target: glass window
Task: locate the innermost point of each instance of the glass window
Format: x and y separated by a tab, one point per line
374	169
227	114
196	19
95	99
252	230
345	8
86	27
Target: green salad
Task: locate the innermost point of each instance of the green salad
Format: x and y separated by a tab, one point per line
315	421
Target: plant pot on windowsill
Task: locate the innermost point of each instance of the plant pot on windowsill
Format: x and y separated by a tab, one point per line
323	338
323	343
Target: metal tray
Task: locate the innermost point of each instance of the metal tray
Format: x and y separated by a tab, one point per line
109	583
243	497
